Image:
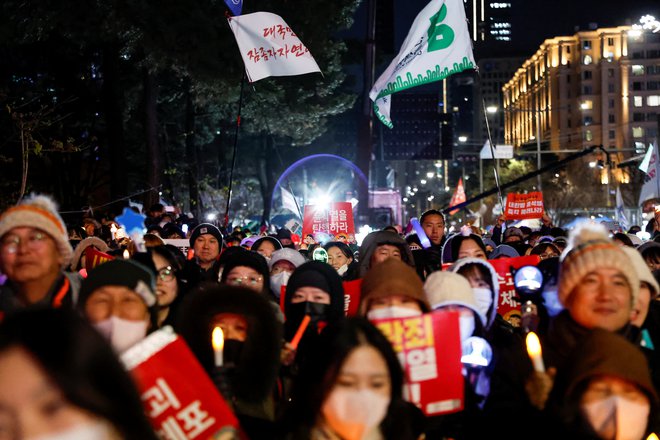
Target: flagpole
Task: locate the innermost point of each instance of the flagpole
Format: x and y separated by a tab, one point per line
492	153
233	159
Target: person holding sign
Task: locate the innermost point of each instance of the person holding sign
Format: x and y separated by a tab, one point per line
250	355
352	390
60	379
119	299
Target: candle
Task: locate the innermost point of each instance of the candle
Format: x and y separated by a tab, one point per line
113	230
299	333
126	254
218	340
534	352
652	436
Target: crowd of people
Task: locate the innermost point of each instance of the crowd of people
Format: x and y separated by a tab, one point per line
74	298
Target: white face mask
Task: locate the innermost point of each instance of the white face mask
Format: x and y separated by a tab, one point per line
91	431
484	298
618	417
277	281
342	270
353	414
122	333
392	312
466	324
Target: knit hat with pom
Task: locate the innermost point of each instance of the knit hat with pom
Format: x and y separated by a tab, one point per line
450	289
39	211
590	248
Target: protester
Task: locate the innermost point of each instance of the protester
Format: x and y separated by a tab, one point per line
604	391
340	257
34	250
60	380
463	245
248	269
485	286
503	251
285	238
79	260
433	224
253	337
282	264
170	287
266	246
352	390
206	242
119	299
545	250
381	245
392	289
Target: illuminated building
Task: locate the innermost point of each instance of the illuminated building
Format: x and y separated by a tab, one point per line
597	87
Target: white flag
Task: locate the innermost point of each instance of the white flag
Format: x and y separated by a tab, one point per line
289	201
620	211
269	47
438	45
644	165
651	187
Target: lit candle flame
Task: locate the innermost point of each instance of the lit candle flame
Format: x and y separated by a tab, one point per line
218	341
126	254
534	352
652	436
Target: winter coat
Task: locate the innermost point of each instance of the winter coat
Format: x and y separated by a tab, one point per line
63	293
378	238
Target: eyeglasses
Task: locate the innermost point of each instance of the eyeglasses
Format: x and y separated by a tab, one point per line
167	274
11	243
248	280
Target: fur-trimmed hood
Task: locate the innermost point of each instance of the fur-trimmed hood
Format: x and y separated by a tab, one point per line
377	238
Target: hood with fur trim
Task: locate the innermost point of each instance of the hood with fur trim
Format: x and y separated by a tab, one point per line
378	238
258	365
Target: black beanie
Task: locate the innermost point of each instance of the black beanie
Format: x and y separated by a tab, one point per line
119	272
205	228
310	278
248	259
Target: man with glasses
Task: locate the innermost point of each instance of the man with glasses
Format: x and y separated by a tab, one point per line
34	250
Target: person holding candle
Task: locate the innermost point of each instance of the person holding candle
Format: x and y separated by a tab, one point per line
34	252
246	370
59	379
119	299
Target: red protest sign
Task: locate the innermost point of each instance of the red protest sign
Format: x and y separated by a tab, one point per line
524	206
94	257
180	406
507	306
336	219
429	349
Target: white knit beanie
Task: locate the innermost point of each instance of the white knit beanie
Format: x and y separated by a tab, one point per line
39	211
450	289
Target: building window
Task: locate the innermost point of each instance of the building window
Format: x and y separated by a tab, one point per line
587	90
588	120
586	44
587	104
610	41
610	88
638	117
637	69
588	136
587	60
638	132
637	101
610	73
612	134
652	100
587	74
637	86
611	119
653	85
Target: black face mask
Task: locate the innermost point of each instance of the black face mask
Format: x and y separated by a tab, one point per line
296	312
232	352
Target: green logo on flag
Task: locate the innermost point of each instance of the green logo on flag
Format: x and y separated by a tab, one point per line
440	35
